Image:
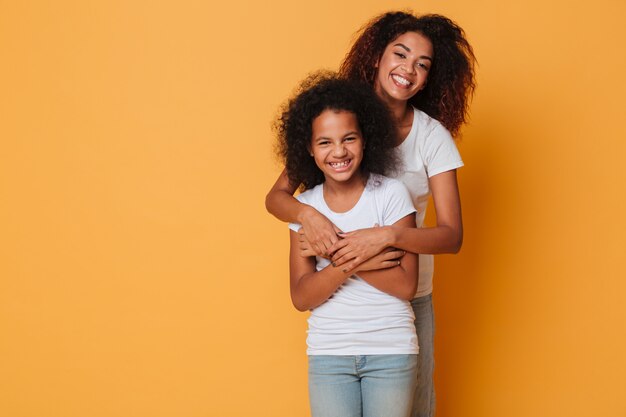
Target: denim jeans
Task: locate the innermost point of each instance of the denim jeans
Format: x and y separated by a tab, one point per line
424	401
362	386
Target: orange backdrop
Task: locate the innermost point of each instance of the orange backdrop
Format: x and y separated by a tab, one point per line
141	276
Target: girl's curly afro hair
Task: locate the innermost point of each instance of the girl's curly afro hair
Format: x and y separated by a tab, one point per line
327	91
451	80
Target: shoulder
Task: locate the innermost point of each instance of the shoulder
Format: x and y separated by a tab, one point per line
392	199
436	145
309	196
429	129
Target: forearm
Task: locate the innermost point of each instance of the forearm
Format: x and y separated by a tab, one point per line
314	288
281	203
432	240
447	235
399	281
284	206
396	281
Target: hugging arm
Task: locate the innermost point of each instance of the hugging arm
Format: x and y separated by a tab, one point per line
400	280
319	231
309	288
445	237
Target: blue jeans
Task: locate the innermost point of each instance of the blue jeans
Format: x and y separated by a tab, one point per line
362	386
424	401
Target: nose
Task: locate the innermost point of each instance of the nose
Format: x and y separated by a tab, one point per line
339	150
409	69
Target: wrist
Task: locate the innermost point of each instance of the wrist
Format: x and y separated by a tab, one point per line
339	272
304	212
390	237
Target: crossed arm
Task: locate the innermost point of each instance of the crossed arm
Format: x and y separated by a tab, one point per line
310	288
349	250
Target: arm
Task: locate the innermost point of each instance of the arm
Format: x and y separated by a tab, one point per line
445	237
319	231
310	288
399	281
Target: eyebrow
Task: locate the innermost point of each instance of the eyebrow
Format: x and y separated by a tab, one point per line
354	132
406	48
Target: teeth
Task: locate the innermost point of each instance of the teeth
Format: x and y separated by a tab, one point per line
339	164
401	80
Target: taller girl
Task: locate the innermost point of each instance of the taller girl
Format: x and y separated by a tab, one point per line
423	69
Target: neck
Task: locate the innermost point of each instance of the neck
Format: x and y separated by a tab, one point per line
398	107
342	196
353	185
400	110
402	115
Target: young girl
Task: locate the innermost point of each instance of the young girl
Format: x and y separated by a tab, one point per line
335	140
423	69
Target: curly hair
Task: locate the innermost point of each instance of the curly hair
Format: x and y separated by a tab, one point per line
451	80
327	91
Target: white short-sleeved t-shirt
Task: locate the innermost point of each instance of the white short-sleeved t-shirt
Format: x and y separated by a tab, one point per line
428	150
359	319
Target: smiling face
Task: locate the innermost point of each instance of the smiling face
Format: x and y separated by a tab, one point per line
403	67
337	145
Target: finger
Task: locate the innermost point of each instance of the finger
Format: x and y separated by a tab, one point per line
388	264
328	241
353	264
338	246
326	244
318	251
301	235
393	255
341	252
346	258
307	253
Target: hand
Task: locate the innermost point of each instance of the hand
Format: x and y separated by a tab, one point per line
317	234
388	258
305	250
356	247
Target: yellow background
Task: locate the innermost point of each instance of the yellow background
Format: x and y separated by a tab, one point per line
141	276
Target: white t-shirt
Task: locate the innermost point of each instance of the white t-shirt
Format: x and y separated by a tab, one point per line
428	150
359	319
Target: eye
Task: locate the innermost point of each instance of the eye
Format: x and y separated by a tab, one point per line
422	66
401	55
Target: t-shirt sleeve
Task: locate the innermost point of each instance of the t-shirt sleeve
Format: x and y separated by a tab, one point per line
440	152
398	202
